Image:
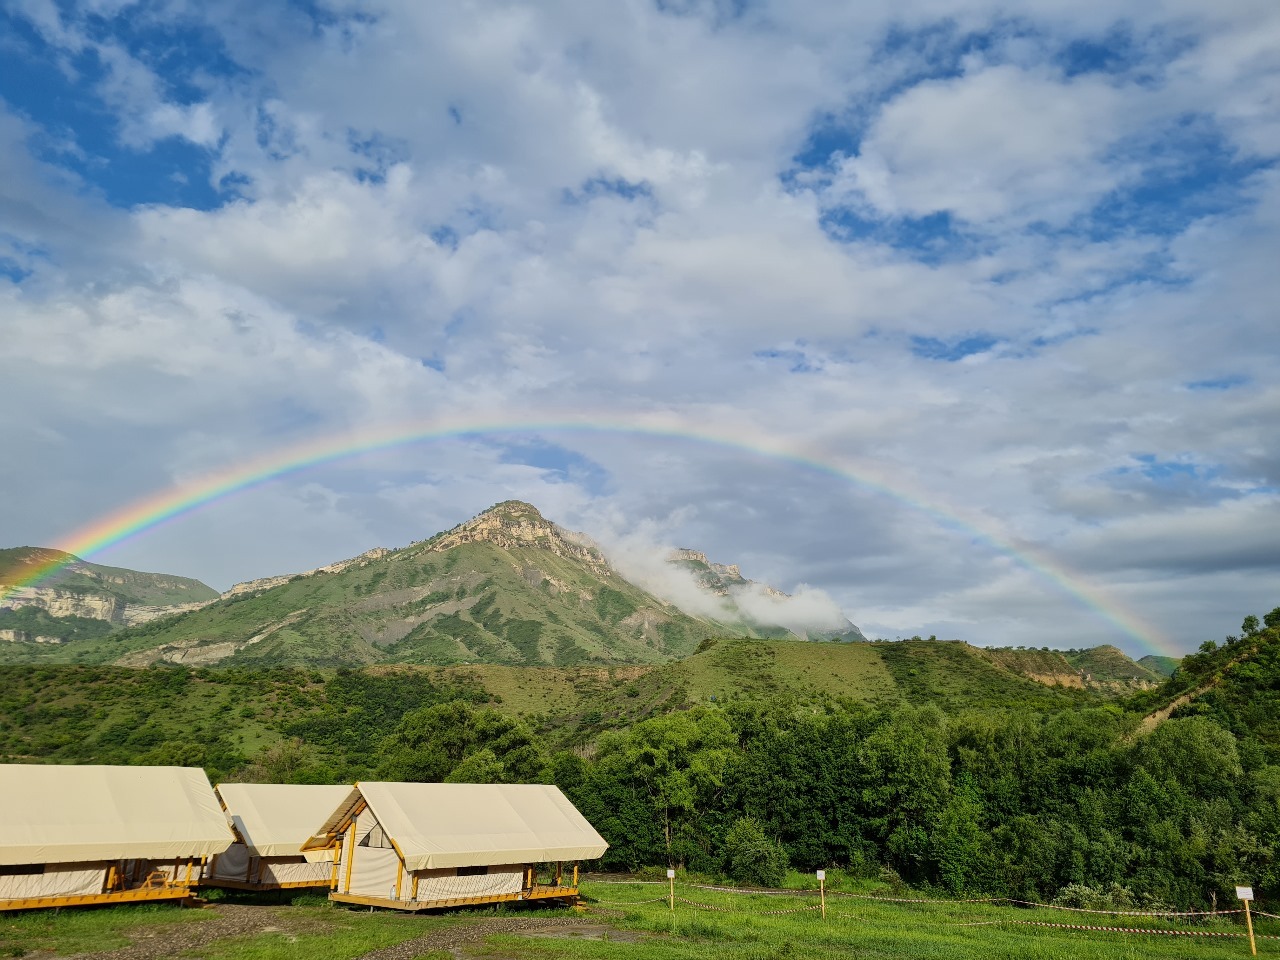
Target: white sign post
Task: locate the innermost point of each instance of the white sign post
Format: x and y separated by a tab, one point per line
1245	894
671	895
822	891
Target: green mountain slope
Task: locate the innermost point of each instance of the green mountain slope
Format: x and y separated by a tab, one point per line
1160	666
225	718
506	587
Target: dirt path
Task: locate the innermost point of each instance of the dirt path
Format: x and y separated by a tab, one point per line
454	937
232	920
1154	719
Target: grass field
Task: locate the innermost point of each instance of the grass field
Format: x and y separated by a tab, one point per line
736	926
631	921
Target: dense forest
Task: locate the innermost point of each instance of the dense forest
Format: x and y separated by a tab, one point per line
1167	797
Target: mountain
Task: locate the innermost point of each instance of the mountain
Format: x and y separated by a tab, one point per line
1161	666
506	587
758	610
1104	668
81	600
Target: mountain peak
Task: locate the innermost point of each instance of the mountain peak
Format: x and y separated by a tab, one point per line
514	524
513	509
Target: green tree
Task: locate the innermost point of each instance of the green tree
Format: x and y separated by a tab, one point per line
750	856
432	744
674	766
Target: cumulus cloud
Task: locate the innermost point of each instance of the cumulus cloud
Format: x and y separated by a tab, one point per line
1002	283
997	144
806	610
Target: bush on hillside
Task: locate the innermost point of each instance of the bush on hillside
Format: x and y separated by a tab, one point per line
750	856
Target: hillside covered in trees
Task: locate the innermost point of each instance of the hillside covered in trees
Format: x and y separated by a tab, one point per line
1165	796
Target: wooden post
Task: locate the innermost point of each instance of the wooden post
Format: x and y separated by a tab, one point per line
671	891
575	876
399	877
822	891
1246	894
351	855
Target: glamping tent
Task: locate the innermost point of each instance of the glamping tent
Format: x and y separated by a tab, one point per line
415	846
74	835
272	821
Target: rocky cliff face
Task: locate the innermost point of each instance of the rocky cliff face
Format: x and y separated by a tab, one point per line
62	603
513	524
63	585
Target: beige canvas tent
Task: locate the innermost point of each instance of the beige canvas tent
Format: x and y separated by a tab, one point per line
416	846
74	835
272	821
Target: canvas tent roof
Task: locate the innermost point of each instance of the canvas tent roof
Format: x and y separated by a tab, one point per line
442	825
64	814
274	819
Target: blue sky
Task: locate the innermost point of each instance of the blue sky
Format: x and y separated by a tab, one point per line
1020	268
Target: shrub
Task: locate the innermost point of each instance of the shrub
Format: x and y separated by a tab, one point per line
752	857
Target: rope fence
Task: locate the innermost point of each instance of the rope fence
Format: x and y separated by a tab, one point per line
1123	913
773	913
1191	915
1081	926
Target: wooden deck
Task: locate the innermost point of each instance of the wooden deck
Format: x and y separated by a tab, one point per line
138	895
539	892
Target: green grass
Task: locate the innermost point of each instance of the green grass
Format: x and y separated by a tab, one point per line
338	935
84	929
740	930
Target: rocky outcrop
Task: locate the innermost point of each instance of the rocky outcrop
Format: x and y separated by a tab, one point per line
202	652
64	603
61	603
22	636
135	613
512	525
266	583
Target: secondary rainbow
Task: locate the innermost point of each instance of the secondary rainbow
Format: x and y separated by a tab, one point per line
174	503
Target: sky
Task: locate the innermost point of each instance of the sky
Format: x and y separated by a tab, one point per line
981	297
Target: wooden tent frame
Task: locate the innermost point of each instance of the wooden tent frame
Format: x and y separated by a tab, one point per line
345	842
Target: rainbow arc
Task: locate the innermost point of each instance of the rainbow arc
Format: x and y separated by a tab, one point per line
170	505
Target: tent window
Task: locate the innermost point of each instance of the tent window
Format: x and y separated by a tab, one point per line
472	871
21	869
377	837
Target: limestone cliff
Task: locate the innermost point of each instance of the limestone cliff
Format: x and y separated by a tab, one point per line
64	586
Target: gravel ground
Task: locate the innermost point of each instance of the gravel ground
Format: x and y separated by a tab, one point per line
232	920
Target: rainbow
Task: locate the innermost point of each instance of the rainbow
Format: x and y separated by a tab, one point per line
174	503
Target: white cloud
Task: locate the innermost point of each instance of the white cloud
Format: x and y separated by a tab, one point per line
998	144
378	236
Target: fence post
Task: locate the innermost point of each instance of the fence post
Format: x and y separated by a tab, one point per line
822	891
671	894
1246	894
